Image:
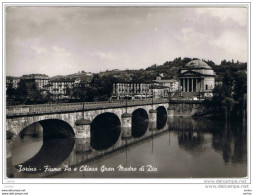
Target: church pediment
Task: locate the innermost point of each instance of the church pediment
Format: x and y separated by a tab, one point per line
190	73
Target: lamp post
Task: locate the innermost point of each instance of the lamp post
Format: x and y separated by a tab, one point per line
126	104
169	93
83	105
152	96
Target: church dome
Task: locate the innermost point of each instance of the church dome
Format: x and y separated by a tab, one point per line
197	64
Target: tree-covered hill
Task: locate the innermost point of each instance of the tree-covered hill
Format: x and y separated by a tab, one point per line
171	69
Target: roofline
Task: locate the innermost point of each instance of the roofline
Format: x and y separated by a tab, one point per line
196	75
189	68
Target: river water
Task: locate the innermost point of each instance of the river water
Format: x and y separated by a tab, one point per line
188	148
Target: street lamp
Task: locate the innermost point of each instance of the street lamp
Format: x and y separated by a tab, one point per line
83	105
126	104
152	95
169	93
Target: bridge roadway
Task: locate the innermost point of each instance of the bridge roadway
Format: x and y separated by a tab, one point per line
12	111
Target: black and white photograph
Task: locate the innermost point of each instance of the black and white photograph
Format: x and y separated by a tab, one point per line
126	91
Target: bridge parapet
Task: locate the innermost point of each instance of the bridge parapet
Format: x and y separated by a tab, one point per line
71	107
185	101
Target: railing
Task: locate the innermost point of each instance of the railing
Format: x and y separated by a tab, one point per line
179	101
65	107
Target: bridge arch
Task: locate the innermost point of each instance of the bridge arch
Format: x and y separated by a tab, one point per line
161	117
50	145
139	122
105	131
52	128
16	125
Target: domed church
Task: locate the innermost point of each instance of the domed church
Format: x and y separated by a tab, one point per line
197	79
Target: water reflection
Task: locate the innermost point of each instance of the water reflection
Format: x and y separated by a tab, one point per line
190	140
52	153
229	139
188	148
33	149
25	147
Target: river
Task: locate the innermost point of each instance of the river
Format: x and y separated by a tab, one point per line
188	148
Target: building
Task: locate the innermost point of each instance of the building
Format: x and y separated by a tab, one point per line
158	88
58	87
197	79
41	80
12	82
163	87
122	90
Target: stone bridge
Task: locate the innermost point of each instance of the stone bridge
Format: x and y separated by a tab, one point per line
82	122
19	117
75	119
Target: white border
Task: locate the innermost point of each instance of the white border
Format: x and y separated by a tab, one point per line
117	181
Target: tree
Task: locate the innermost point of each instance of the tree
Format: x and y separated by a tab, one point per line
240	86
228	84
223	62
80	91
46	96
21	92
69	92
10	92
34	96
28	93
228	105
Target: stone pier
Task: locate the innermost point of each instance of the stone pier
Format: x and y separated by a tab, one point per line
170	112
152	119
82	135
126	126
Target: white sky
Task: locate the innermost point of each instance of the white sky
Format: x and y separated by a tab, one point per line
65	40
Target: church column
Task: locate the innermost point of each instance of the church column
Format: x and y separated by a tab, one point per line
192	84
188	85
200	85
194	89
195	84
183	85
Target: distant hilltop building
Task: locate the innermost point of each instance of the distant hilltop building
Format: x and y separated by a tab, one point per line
197	79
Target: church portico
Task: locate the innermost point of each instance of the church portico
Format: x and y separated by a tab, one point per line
192	84
197	76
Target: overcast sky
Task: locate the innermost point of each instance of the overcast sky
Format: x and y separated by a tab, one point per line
64	40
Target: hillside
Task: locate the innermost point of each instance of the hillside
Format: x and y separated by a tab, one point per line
170	70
